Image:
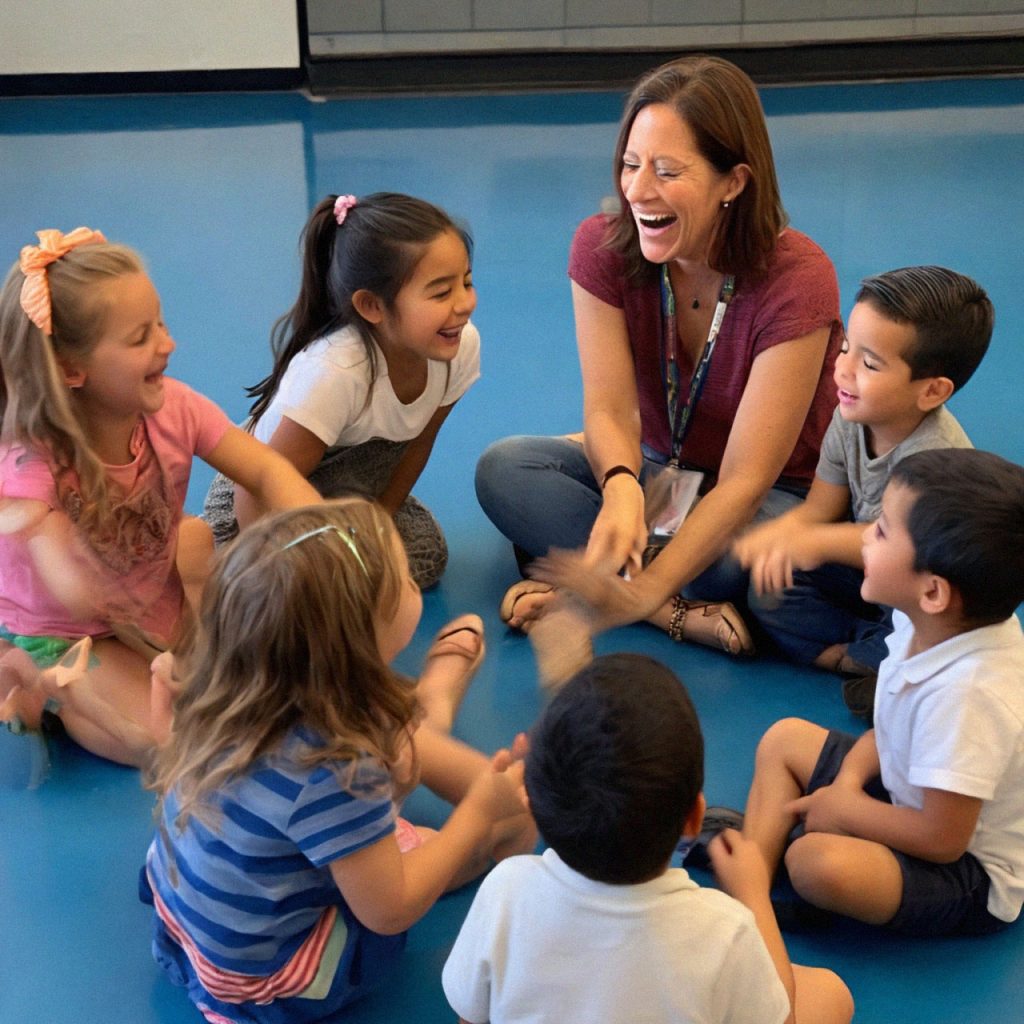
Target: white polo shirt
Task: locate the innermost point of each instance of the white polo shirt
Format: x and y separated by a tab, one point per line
952	718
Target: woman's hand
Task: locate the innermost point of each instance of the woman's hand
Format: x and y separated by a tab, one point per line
619	534
615	600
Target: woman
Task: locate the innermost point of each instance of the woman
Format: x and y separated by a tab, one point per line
701	231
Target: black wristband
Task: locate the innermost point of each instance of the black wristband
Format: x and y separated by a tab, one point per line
615	471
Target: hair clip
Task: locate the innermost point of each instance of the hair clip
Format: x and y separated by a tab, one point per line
347	539
341	207
35	289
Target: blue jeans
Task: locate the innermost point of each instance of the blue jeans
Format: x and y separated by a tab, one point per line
541	493
822	608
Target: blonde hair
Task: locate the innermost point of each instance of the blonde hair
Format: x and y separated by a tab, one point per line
287	636
34	404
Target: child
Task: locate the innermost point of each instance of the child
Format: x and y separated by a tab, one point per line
282	880
915	337
369	362
95	458
600	928
919	824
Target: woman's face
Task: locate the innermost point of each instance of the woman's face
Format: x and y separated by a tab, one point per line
674	193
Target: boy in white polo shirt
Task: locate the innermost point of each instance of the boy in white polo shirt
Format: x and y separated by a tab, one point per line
600	929
918	825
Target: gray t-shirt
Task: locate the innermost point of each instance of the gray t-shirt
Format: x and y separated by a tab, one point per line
845	462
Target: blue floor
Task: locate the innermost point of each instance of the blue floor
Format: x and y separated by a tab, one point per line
213	190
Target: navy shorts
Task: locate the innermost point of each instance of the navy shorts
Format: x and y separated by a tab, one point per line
938	899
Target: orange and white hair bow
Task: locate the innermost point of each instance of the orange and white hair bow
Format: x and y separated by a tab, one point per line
35	291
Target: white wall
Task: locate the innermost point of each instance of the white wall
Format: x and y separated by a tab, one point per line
73	36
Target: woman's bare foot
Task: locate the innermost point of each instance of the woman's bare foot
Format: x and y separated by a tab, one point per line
452	661
524	603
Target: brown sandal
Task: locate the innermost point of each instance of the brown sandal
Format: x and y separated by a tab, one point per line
714	624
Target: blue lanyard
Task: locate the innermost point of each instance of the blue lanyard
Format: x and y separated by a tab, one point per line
679	412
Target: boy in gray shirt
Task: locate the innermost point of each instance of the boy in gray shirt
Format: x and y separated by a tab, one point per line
914	337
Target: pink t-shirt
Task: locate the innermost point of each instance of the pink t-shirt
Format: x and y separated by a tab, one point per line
797	295
134	559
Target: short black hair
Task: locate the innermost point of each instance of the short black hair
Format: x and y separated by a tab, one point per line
967	526
951	314
616	764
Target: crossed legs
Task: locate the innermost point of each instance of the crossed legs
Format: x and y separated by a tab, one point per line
850	876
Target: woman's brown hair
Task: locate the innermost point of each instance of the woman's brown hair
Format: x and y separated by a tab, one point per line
720	105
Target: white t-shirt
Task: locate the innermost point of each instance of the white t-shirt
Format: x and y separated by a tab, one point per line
324	390
952	718
542	943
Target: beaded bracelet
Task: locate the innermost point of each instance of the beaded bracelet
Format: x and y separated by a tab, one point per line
675	624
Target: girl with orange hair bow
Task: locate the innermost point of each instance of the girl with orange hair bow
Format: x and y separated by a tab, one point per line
96	557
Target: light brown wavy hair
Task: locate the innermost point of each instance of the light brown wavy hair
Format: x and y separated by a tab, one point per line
720	105
35	405
286	636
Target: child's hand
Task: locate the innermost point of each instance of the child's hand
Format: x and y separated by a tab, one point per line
499	794
825	809
561	641
508	756
739	866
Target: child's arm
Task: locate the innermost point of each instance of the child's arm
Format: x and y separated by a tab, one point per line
414	458
389	891
806	536
742	872
265	478
939	832
57	554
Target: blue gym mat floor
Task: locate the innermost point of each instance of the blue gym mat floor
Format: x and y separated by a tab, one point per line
214	189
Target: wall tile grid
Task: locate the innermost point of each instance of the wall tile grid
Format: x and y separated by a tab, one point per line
349	27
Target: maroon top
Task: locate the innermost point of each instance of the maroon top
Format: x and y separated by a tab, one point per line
798	294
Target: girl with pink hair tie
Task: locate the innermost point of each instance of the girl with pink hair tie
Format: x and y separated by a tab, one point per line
96	557
368	363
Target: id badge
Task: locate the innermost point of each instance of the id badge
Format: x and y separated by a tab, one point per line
669	497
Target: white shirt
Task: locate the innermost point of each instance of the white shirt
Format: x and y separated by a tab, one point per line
324	390
952	718
542	943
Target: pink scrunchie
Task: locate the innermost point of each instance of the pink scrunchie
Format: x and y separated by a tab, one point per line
341	207
35	290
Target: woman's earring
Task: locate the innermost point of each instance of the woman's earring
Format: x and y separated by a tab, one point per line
725	204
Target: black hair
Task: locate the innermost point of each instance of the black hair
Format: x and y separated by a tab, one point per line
967	526
951	314
376	248
616	764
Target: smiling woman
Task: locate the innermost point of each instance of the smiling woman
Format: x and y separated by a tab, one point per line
697	263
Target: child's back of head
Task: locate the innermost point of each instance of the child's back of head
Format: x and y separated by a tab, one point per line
967	526
616	764
951	315
287	637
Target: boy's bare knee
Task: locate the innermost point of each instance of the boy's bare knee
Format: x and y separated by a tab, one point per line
818	869
781	739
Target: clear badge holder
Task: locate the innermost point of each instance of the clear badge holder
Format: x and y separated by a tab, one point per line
669	497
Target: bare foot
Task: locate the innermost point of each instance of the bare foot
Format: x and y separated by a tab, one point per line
452	661
524	603
21	694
